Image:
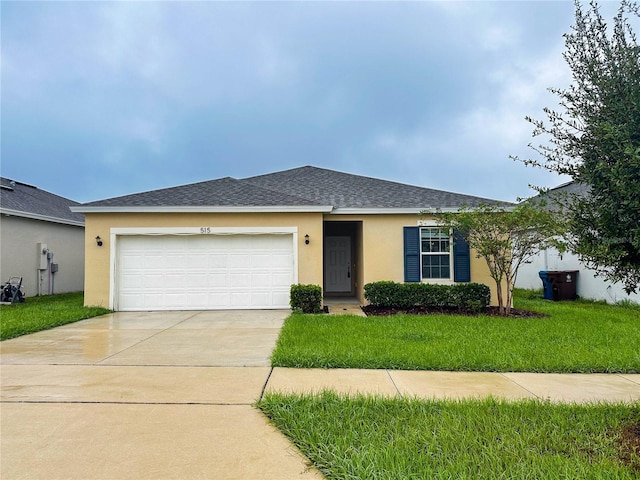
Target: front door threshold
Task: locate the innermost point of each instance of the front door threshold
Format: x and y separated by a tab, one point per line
341	300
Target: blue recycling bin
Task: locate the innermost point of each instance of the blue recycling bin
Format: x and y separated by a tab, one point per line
547	286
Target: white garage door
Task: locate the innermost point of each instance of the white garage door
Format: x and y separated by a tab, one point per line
198	272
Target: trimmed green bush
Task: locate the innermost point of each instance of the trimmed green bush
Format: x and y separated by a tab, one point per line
463	296
306	298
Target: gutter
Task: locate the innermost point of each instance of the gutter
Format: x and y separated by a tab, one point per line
205	209
44	218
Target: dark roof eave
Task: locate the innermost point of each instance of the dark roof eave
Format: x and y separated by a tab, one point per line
205	209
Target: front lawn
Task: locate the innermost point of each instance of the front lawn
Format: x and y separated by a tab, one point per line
375	438
42	313
579	336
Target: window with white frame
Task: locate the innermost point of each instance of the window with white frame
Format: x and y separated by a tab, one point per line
435	253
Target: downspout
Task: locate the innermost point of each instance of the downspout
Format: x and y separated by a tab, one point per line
49	257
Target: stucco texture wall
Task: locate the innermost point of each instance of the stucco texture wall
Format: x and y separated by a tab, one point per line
97	278
19	257
380	254
383	250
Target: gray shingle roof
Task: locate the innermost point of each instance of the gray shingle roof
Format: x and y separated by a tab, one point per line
571	188
303	186
558	197
344	190
226	192
32	202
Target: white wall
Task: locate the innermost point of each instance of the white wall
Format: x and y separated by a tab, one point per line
589	286
18	254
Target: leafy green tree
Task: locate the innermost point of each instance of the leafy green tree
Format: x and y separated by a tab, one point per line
595	138
506	237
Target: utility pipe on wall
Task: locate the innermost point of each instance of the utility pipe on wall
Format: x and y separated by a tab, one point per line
50	274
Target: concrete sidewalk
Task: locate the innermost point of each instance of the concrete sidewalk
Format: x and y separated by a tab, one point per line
569	388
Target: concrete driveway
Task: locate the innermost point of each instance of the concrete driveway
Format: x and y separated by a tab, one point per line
157	395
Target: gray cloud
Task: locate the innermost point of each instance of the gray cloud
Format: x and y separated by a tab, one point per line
131	96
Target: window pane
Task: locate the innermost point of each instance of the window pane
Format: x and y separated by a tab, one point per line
435	266
434	240
444	271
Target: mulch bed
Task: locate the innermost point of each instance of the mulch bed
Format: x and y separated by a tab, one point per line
370	311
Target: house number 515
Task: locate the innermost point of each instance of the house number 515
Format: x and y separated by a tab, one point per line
205	229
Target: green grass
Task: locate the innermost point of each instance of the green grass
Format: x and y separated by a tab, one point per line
373	438
579	336
42	313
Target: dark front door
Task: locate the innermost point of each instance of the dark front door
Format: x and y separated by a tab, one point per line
337	264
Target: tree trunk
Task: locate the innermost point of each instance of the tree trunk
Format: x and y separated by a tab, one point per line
500	298
509	299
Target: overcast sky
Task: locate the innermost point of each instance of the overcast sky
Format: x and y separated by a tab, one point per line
101	99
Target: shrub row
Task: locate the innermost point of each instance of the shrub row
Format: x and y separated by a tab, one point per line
463	296
306	298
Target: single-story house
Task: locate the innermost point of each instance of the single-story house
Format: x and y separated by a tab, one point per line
240	243
588	284
41	240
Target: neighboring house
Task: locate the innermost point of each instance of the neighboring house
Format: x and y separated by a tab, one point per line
588	286
232	243
41	240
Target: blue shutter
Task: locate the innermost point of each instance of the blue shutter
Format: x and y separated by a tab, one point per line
411	254
461	258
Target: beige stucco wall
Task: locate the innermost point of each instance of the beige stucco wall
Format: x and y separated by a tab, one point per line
97	279
19	257
383	250
380	253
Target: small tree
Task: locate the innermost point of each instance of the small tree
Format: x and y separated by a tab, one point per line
506	237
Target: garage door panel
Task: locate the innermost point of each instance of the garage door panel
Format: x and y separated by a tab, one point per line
175	262
260	298
241	259
218	300
281	297
240	299
135	261
152	281
261	280
218	280
129	282
196	280
282	280
207	271
153	261
242	280
280	261
261	260
217	260
132	300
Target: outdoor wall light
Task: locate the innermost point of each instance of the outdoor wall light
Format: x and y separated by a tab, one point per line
306	239
99	241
